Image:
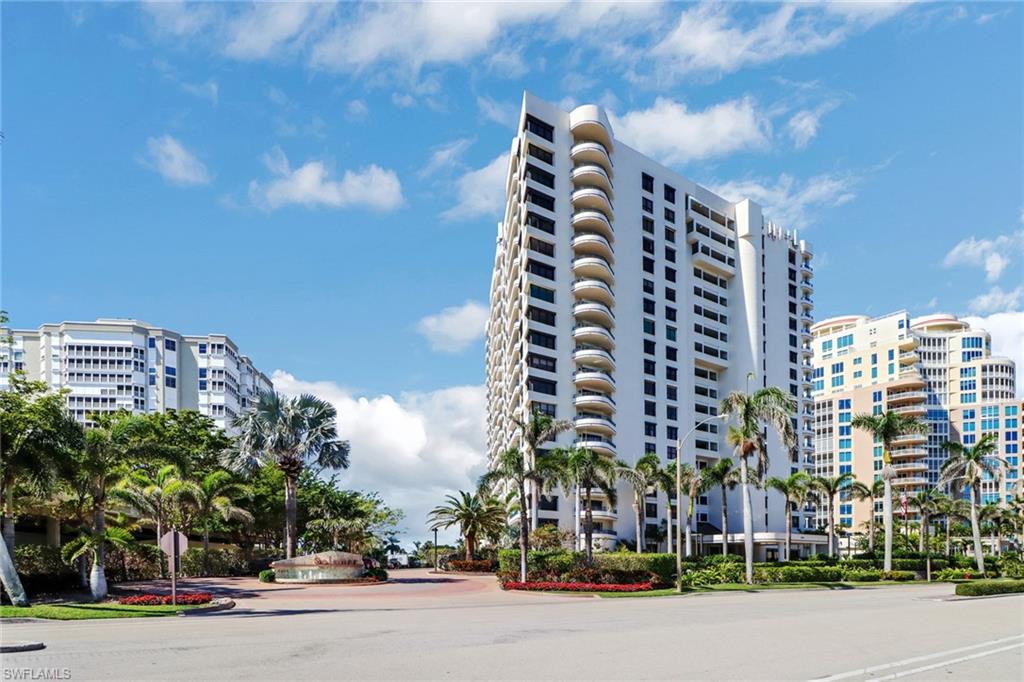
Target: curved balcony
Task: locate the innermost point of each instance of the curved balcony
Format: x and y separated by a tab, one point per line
594	176
591	311
910	466
906	397
910	439
588	122
593	266
592	153
593	334
908	481
601	446
912	410
604	515
908	357
593	198
903	453
592	244
592	400
593	380
594	423
593	221
593	290
592	356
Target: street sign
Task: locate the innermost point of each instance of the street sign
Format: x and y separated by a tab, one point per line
167	547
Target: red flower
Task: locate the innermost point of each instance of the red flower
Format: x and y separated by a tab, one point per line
538	586
161	599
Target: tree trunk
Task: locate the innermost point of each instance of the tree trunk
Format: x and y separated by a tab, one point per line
748	523
920	537
871	528
160	555
470	546
789	531
8	521
524	533
83	572
887	519
639	525
979	557
206	548
588	526
831	526
290	513
671	529
98	577
576	520
689	523
725	522
9	577
948	547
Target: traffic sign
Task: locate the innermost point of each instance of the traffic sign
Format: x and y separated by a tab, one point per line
168	548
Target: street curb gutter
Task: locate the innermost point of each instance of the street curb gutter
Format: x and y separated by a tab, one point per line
222	604
14	647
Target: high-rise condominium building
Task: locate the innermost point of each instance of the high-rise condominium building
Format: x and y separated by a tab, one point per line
117	364
935	368
630	300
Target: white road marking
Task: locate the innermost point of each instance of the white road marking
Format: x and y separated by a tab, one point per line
941	664
915	659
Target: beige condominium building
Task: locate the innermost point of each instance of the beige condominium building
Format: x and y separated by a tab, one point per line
936	368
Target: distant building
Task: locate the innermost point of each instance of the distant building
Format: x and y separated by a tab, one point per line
121	364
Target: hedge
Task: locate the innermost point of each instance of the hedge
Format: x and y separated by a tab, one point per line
554	560
577	587
980	588
661	566
901	576
858	575
798	574
228	561
472	566
1012	568
41	569
609	567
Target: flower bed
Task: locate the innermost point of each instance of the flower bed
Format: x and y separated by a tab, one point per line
578	587
161	599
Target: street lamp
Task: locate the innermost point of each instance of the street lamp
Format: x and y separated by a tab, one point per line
435	550
679	493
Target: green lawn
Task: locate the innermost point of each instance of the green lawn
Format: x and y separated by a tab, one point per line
89	611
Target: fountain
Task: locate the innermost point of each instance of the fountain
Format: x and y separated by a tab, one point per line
323	567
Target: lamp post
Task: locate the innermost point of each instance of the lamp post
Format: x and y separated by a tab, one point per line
435	550
679	494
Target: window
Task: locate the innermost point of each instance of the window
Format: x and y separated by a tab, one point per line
541	339
542	154
540	222
648	286
649	326
170	382
543	408
542	362
649	367
647	205
202	349
540	128
844	341
541	315
650	429
542	385
540	269
650	408
648	245
202	384
540	199
670	194
169	344
650	388
646	182
540	176
152	342
670	234
542	293
670	215
202	372
648	224
542	247
648	265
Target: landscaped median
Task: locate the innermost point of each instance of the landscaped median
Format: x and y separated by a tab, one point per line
132	606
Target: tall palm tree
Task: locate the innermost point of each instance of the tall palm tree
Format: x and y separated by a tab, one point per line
993	515
771	406
794	490
952	508
214	497
926	502
151	500
725	477
539	429
477	514
828	488
288	433
965	468
692	485
642	476
666	482
886	428
591	470
861	491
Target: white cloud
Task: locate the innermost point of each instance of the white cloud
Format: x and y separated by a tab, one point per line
454	329
311	186
803	125
709	39
994	255
413	449
266	29
403	100
507	63
168	157
790	203
1007	330
673	134
208	90
995	300
357	110
502	113
481	192
446	156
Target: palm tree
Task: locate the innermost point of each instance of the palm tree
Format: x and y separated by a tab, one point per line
886	428
692	485
476	515
965	468
828	489
770	405
540	429
724	476
151	500
510	468
590	470
665	480
94	546
860	491
952	508
288	433
794	489
214	497
926	502
641	477
993	515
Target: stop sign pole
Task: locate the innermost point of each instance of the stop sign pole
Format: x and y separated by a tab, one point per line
173	543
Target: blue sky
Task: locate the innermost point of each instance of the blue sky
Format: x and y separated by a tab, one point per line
321	182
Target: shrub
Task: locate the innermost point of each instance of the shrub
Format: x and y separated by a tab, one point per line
472	566
724	572
41	569
547	560
981	588
919	565
959	574
859	575
225	561
135	562
714	559
376	573
900	576
578	587
268	575
161	599
866	564
798	574
659	568
1012	568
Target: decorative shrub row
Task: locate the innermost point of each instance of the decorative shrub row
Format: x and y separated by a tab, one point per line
980	588
608	568
186	598
578	587
472	566
959	574
798	574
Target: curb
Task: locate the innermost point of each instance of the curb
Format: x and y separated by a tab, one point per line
14	647
222	604
983	596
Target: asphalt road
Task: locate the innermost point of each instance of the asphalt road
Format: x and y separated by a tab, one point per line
419	628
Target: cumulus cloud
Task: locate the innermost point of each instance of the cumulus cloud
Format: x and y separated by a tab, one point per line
502	113
168	157
803	125
1007	330
266	29
790	203
413	449
447	155
672	133
994	255
995	300
454	329
311	186
357	110
481	192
